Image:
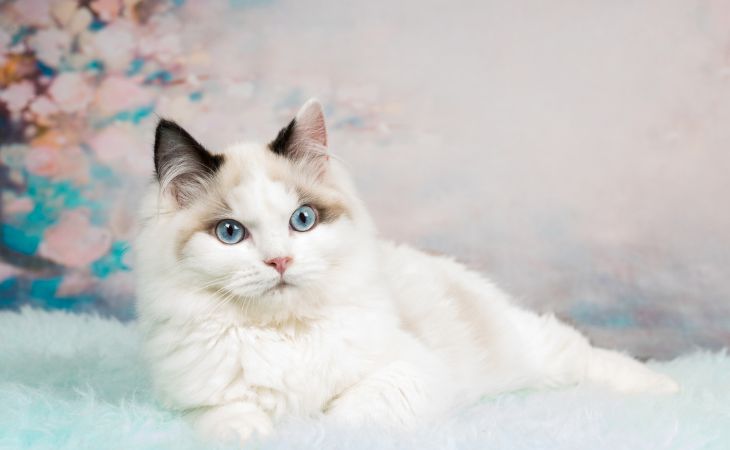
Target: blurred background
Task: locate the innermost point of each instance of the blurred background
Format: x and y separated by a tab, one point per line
577	150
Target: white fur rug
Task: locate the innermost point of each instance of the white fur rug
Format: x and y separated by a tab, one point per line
75	382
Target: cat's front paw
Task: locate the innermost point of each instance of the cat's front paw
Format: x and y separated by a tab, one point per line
379	402
233	422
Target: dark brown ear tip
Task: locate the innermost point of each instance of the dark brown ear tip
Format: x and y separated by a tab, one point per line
161	130
167	124
279	144
169	130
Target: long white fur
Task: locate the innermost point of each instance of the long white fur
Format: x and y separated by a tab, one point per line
369	331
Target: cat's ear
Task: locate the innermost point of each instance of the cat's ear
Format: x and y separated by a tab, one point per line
305	138
183	166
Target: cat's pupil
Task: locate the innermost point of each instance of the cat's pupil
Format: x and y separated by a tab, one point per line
302	217
229	229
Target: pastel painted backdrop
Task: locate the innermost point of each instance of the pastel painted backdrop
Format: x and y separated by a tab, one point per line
579	151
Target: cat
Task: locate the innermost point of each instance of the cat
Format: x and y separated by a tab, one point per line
264	291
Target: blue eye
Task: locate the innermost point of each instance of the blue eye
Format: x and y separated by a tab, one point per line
304	218
229	231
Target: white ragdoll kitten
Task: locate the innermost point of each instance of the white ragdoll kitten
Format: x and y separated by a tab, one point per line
264	290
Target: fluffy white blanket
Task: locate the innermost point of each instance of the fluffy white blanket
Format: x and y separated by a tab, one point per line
76	382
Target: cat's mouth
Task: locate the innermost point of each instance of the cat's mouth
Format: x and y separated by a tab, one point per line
272	288
280	286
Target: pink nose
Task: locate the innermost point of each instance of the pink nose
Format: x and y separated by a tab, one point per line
280	264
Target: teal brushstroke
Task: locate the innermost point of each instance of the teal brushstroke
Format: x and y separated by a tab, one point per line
19	240
134	116
23	32
104	174
112	262
54	194
95	65
45	69
96	25
196	96
135	66
45	288
41	216
72	303
8	292
160	76
44	291
53	197
592	315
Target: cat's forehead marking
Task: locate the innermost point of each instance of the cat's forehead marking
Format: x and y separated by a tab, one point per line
257	198
256	182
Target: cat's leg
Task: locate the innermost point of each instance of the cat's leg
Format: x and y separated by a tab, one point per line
413	386
481	331
559	355
522	349
394	396
232	422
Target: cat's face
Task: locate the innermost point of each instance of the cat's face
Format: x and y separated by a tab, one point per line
265	227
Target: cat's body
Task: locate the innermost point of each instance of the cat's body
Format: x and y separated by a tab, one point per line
328	319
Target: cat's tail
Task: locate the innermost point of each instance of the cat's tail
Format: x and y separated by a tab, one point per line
561	355
626	374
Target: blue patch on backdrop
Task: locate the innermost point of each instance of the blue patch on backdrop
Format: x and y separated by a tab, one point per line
19	240
23	32
112	261
51	198
45	288
95	65
55	194
45	69
159	76
596	316
104	174
8	292
96	25
135	66
134	116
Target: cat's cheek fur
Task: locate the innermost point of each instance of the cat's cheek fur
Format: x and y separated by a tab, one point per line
226	268
319	253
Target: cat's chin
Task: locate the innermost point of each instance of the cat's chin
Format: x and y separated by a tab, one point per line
278	295
261	291
280	288
279	304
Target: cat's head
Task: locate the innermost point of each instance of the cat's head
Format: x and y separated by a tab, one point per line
264	227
